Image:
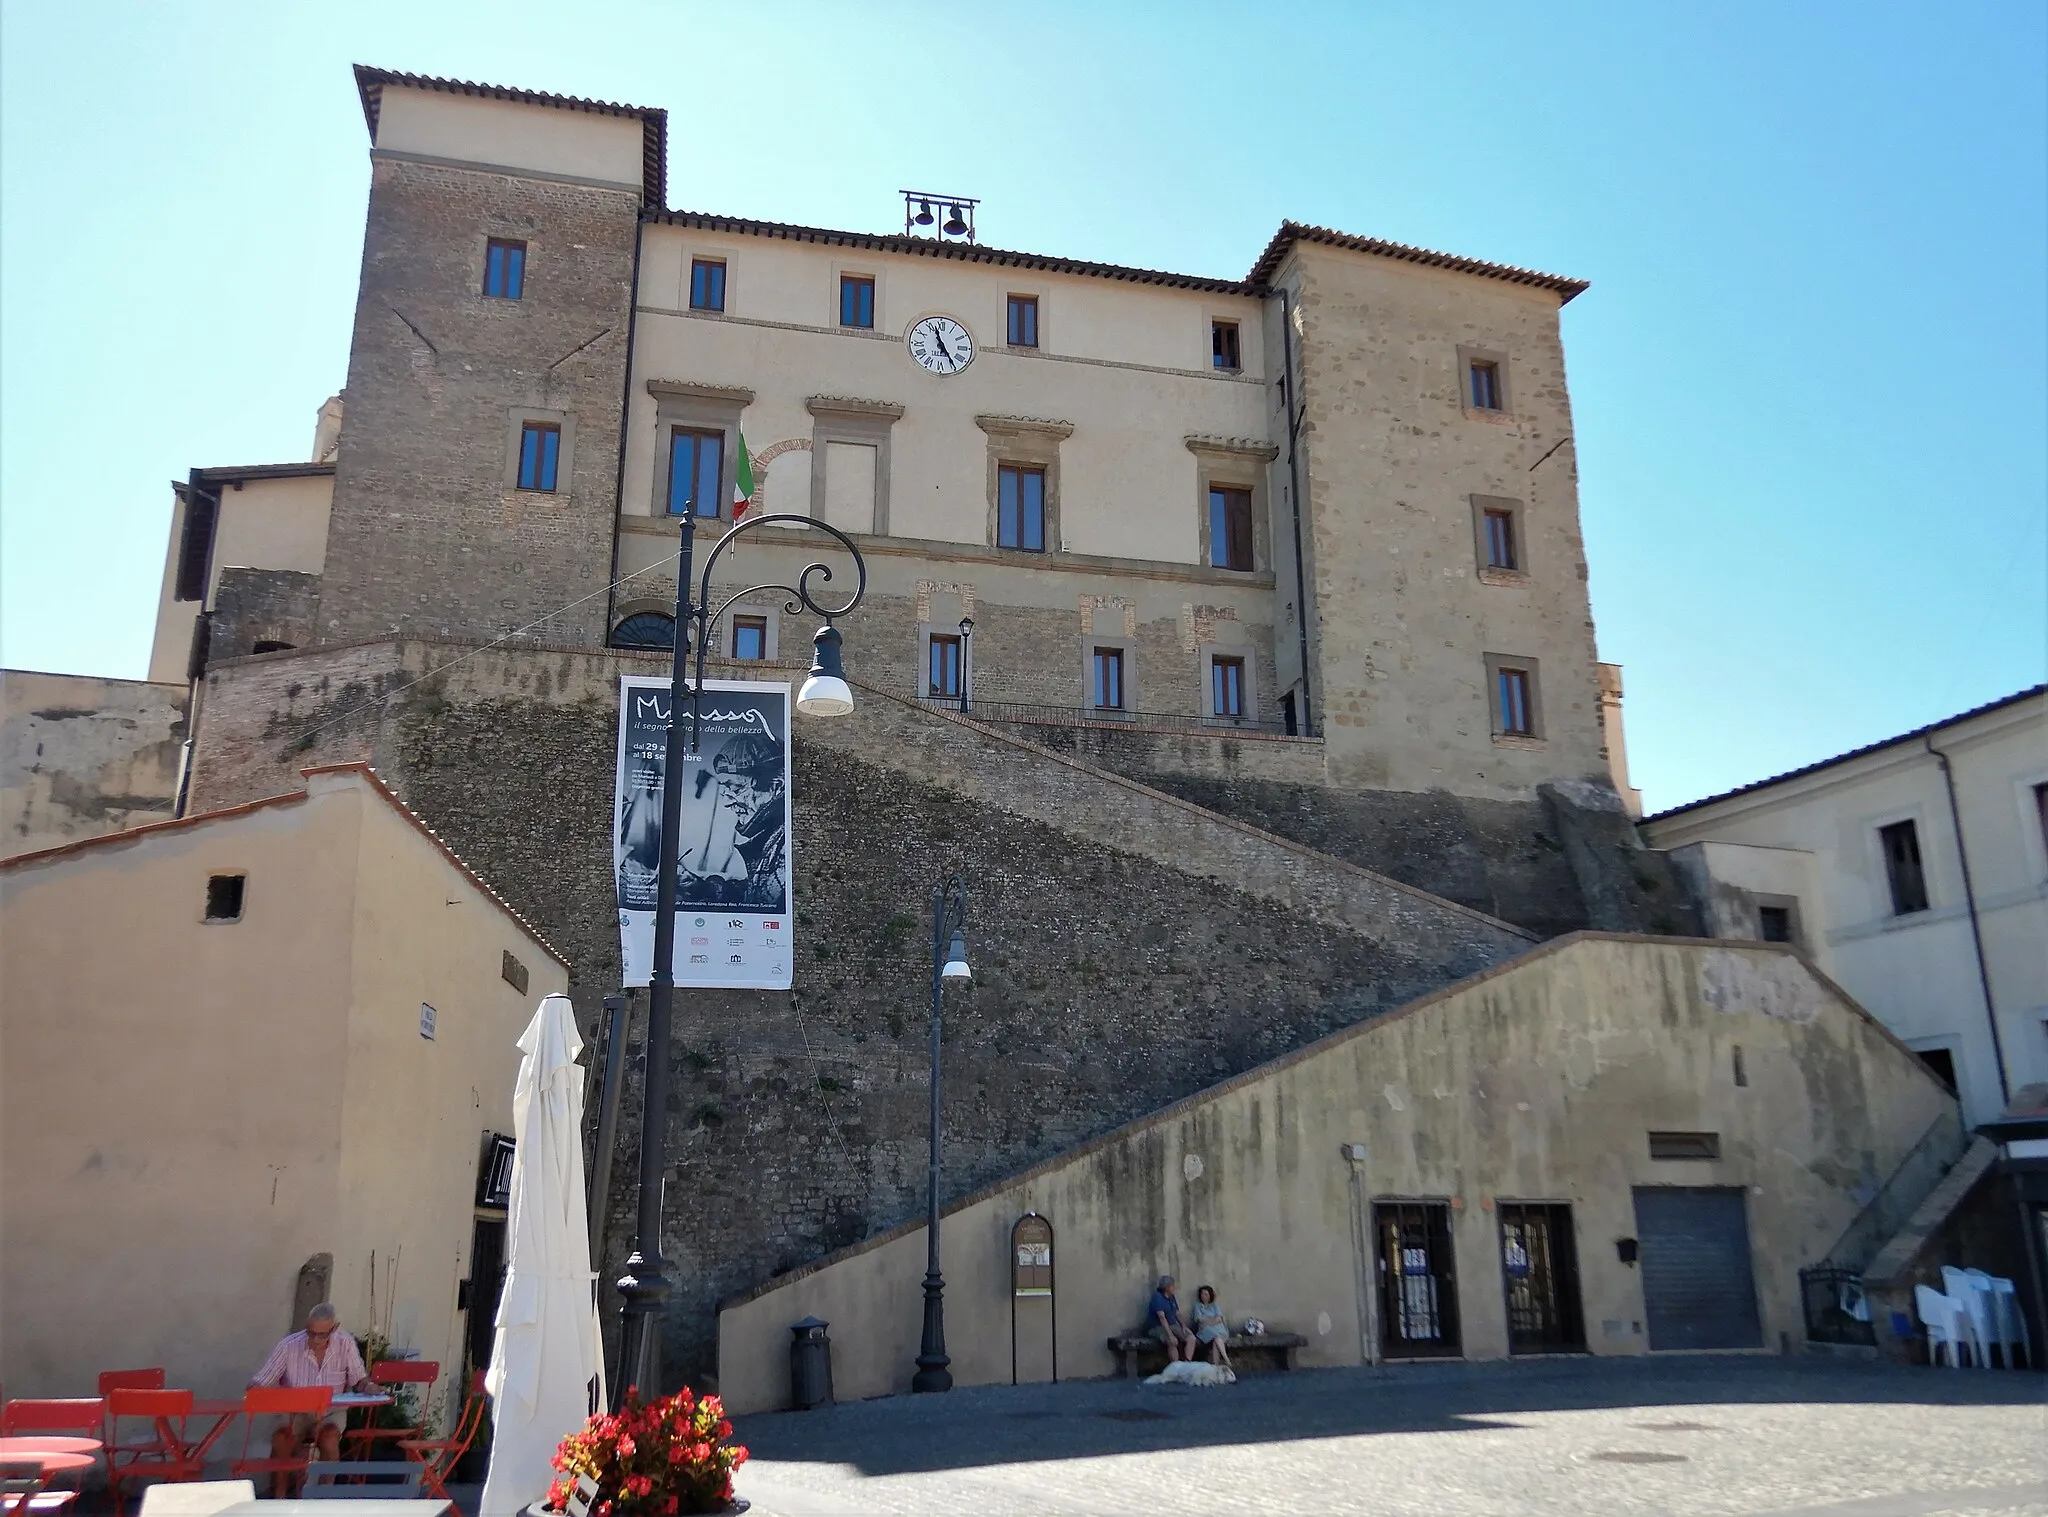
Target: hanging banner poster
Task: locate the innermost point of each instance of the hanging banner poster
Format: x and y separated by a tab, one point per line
733	883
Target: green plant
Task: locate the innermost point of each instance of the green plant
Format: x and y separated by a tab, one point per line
652	1458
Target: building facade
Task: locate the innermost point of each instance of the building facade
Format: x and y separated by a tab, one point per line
254	1060
1915	872
1334	499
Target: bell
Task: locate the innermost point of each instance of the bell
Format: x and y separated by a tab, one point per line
924	214
954	226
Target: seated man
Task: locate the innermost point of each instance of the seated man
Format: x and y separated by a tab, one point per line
321	1354
1162	1316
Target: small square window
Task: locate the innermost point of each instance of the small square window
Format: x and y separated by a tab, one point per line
1108	690
1685	1145
1023	321
696	471
1230	528
856	300
1501	552
1517	712
540	450
1483	377
1223	345
2041	814
942	672
1901	844
1941	1063
707	284
504	269
1226	687
1020	508
750	637
1774	923
224	897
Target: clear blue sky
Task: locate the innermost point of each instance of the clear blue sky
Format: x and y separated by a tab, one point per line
1809	376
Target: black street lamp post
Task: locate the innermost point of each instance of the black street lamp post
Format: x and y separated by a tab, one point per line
966	658
644	1285
949	962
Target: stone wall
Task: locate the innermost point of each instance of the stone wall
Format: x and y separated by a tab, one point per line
1130	947
252	606
81	757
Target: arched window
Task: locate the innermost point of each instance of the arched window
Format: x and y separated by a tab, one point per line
645	629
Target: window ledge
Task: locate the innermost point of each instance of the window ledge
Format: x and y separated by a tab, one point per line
1498	418
1519	740
1492	576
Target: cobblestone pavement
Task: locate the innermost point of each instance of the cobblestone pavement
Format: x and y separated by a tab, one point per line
1688	1437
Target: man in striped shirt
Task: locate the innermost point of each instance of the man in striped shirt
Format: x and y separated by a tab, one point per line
321	1354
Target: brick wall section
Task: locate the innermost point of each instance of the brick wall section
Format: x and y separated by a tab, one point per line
425	534
262	605
1130	949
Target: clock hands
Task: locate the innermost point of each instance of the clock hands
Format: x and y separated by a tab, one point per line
939	337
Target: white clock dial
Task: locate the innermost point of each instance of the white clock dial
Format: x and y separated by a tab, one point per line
941	344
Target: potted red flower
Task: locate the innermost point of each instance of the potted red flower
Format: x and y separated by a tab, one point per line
653	1459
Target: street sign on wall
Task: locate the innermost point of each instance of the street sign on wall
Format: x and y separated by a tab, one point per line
734	881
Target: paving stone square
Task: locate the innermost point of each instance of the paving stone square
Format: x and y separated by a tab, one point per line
1692	1436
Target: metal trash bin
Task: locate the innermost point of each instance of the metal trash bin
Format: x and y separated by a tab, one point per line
810	1365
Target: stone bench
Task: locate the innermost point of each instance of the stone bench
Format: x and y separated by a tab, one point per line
1139	1354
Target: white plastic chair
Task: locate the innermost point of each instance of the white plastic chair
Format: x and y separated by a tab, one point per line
1944	1321
195	1498
1975	1302
2008	1322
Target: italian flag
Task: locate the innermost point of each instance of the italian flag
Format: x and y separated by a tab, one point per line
742	480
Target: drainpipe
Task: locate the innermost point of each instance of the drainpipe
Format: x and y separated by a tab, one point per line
1294	497
611	595
1976	928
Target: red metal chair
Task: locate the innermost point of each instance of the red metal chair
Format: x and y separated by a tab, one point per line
279	1401
159	1457
361	1442
129	1380
440	1455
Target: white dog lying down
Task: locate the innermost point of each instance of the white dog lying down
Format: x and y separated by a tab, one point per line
1188	1372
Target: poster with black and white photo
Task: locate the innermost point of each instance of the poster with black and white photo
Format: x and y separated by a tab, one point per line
733	883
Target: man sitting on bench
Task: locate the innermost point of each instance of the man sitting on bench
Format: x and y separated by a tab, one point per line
1162	1316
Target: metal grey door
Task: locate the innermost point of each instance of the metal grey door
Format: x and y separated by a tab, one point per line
1698	1288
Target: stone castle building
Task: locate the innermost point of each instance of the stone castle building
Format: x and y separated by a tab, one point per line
1231	635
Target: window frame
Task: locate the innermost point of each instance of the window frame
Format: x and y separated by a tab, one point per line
239	878
1016	302
850	279
1485	510
1022	443
708	264
515	251
934	641
1226	333
548	465
694	408
722	501
750	622
633	613
1503	390
1115	657
1497	665
1022	471
1232	495
1245	661
867	423
1894	877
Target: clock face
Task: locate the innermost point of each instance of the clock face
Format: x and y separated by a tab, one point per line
941	344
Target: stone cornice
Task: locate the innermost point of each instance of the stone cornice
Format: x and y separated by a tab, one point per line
846	405
684	389
1024	426
1231	447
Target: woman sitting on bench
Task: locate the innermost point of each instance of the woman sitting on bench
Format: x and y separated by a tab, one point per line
1210	1326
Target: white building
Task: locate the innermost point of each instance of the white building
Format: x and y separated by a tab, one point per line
1915	873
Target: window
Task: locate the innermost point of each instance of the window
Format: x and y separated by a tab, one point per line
1685	1145
696	469
1020	508
1226	687
540	449
645	629
1223	345
1774	923
2041	813
856	300
1109	679
1516	712
707	284
1023	321
942	675
1485	386
1901	844
504	269
224	897
750	637
1941	1063
1500	539
1230	528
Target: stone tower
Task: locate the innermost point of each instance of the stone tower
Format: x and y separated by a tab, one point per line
496	301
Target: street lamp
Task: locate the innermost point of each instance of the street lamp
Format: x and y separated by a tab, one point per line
949	964
966	660
644	1286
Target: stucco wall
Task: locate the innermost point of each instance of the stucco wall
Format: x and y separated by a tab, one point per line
82	756
1535	1081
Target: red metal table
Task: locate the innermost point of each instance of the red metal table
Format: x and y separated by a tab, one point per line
221	1410
47	1461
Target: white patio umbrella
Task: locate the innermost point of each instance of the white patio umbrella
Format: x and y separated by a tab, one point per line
547	1348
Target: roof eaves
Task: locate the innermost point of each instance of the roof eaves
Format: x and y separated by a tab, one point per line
1292	232
370	83
1854	753
963	252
